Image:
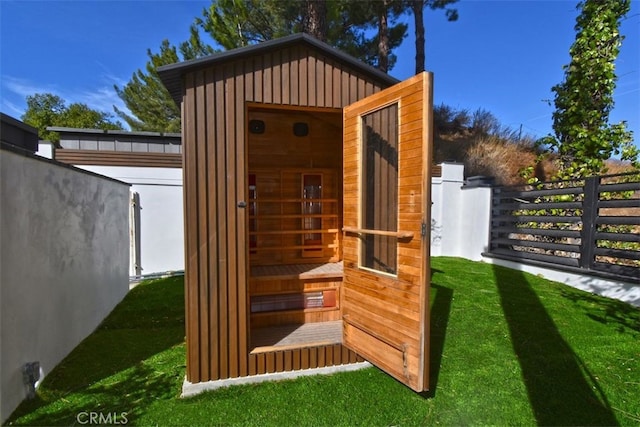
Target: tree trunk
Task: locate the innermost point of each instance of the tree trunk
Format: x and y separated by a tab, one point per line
383	38
418	8
314	21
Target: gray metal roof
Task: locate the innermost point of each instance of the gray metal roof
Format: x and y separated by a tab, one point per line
118	140
67	130
171	75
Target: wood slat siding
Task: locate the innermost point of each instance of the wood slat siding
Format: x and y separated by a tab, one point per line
303	358
118	158
215	171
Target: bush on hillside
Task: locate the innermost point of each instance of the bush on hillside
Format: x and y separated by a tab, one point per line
485	146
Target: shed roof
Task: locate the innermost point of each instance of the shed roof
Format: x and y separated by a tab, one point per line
118	140
171	75
18	134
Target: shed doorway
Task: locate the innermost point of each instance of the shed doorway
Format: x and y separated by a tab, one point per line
294	226
338	235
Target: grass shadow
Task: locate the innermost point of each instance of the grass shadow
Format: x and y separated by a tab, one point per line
439	320
118	402
625	317
560	388
109	368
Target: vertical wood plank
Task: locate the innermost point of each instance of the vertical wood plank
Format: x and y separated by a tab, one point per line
232	224
361	93
313	357
368	89
258	82
270	362
295	77
345	354
261	364
353	89
220	235
192	280
211	207
203	254
276	78
337	354
288	360
285	77
267	79
253	364
304	83
328	83
320	83
243	221
249	85
311	82
295	355
337	87
304	359
321	355
280	361
328	356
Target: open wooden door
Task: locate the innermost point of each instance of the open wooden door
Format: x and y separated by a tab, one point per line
387	204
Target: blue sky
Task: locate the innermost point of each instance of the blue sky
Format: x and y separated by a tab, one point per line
503	56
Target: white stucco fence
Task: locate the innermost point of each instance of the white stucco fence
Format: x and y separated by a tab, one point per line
161	230
160	234
460	215
64	256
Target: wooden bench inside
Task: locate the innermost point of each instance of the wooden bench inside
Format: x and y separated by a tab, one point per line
285	337
295	306
309	271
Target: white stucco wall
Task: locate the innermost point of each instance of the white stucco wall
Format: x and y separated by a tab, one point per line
459	215
64	255
161	217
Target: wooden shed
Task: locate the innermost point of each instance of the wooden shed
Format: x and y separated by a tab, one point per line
307	212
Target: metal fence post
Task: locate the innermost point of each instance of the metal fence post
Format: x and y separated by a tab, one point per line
589	216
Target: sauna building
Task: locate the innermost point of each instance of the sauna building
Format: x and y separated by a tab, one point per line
307	212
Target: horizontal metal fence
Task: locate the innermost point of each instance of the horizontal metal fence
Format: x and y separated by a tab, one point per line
591	224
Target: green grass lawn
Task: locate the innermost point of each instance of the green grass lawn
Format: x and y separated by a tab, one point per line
508	348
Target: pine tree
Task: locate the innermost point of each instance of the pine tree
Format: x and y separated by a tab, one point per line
147	98
237	23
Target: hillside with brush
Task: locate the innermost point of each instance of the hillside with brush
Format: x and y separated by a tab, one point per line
486	147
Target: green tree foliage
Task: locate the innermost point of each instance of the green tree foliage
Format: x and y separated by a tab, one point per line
146	97
48	110
353	26
583	137
349	25
237	23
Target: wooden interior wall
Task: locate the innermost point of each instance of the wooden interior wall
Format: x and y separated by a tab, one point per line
278	148
278	161
215	172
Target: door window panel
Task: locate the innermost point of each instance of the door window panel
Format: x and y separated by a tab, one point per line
380	188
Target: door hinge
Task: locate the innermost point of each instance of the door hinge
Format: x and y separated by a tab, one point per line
423	232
